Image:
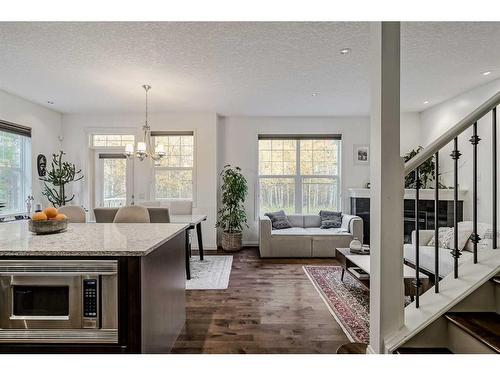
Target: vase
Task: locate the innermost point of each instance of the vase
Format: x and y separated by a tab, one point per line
356	245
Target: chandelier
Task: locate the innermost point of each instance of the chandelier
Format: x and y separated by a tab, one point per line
145	148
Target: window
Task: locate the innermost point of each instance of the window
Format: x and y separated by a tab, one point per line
299	174
174	174
111	140
15	168
112	187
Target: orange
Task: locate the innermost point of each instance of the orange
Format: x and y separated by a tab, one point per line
60	217
39	216
51	212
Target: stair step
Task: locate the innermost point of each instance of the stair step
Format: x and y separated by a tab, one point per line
423	351
484	326
496	279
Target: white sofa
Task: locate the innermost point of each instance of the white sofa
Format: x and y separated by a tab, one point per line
427	253
306	239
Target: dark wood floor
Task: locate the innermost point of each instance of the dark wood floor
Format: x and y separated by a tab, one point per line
269	307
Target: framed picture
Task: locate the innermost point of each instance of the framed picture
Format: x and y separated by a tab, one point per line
362	154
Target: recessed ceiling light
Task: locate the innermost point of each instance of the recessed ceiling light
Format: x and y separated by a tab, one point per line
50	102
487	73
426	102
314	94
345	51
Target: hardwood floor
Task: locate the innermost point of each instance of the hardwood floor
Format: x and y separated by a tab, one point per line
269	307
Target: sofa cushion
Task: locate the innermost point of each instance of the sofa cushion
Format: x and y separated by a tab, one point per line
293	231
330	219
446	237
312	221
485	232
326	232
296	220
279	220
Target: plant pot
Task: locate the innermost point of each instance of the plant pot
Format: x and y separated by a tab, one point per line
231	241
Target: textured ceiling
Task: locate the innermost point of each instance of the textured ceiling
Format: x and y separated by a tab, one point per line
235	68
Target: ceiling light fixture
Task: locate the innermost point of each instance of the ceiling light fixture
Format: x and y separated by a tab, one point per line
144	149
487	73
426	102
345	51
314	94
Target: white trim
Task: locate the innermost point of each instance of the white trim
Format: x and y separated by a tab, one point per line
320	292
369	350
193	169
298	178
25	173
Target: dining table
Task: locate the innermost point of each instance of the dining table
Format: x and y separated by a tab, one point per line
194	222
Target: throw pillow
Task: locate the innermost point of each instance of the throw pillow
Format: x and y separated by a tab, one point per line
446	238
279	220
330	219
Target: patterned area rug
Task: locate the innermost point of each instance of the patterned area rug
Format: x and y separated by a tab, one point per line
348	300
211	273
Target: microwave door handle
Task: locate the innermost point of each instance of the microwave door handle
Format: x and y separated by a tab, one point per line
39	317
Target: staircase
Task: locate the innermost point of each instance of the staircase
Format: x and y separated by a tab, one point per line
461	313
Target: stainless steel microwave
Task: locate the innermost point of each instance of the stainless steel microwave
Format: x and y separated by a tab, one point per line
58	301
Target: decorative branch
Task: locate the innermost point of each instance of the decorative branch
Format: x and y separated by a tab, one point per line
61	174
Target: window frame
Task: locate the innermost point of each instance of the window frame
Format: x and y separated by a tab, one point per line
156	168
93	156
298	177
25	170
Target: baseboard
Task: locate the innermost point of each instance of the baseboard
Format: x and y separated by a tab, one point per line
205	248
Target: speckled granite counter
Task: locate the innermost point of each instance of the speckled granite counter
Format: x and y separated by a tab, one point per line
150	288
87	239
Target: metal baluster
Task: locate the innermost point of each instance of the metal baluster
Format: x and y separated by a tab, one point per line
455	155
417	240
494	174
474	237
436	222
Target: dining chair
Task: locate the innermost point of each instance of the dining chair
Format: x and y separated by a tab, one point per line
132	214
158	215
75	214
105	214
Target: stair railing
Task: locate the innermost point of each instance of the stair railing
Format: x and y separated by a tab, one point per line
412	166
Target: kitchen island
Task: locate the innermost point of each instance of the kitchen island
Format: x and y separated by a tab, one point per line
94	288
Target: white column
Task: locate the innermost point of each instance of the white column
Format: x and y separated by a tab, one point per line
387	188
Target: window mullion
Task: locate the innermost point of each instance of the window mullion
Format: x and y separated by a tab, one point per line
298	182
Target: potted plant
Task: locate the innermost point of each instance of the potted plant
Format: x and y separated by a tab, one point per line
426	170
61	174
232	217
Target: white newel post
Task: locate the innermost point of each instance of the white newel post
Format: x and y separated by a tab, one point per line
387	188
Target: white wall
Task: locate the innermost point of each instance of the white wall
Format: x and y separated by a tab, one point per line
238	146
204	125
436	120
45	127
410	131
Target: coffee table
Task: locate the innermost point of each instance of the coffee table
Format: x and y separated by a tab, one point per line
348	260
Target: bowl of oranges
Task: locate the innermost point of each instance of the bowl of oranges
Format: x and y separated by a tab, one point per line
48	221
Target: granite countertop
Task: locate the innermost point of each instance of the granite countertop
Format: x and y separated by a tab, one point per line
91	239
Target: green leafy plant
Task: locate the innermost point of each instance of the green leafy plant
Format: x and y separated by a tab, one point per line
54	183
426	170
232	217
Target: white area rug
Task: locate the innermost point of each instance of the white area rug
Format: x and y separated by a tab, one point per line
211	273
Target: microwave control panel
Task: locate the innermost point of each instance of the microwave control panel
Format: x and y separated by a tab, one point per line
90	298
